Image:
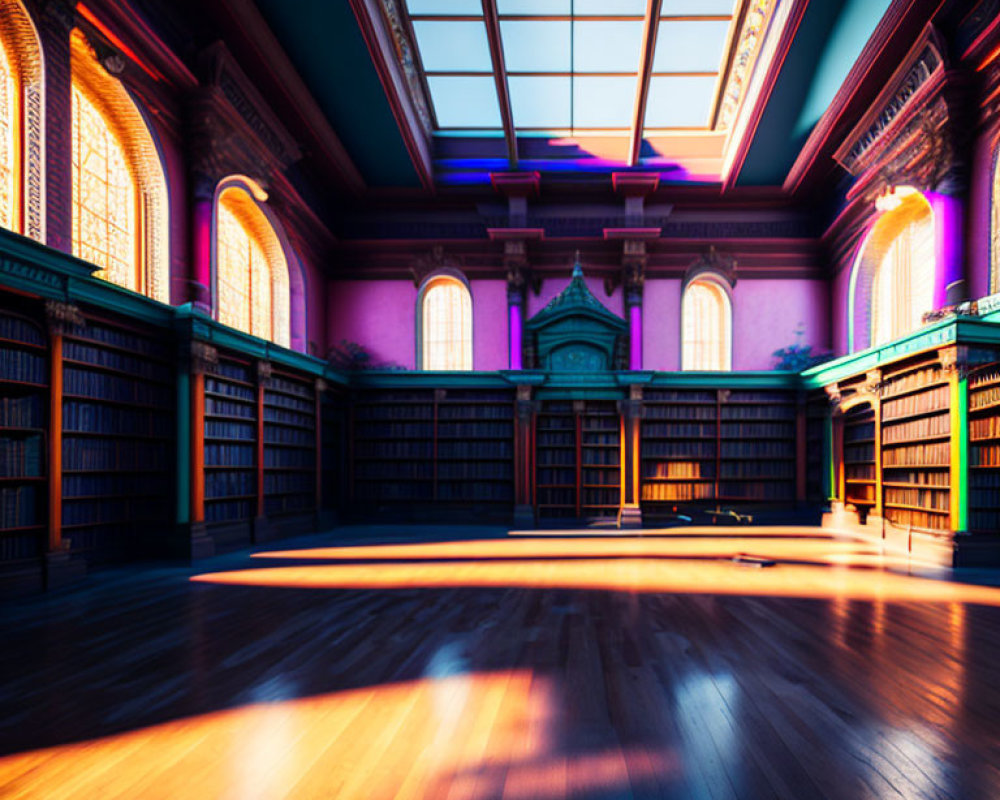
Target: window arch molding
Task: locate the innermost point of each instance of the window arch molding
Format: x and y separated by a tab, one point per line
278	251
994	216
23	48
442	277
95	91
874	246
722	286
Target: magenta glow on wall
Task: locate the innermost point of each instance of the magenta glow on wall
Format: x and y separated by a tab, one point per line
661	325
766	314
378	315
489	324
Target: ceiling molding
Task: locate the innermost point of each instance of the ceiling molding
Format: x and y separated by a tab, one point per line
385	49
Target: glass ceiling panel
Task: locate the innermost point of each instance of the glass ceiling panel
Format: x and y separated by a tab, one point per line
540	102
465	8
690	46
583	8
453	46
679	101
607	46
603	102
536	45
534	7
465	101
699	7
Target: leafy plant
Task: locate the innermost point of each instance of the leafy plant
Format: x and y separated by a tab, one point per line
351	356
798	356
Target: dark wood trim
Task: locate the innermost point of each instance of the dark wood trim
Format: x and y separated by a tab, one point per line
491	19
650	26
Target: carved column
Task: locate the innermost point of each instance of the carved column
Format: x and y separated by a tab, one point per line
631	410
634	273
203	358
516	265
58	568
202	208
524	458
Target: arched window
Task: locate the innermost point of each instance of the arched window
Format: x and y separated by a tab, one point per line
445	324
119	192
706	326
251	271
903	284
21	125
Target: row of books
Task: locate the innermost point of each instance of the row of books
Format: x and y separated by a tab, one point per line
80	416
116	337
473	430
122	509
910	518
100	386
678	430
401	469
217	386
226	408
93	453
276	505
21	457
984	398
393	430
18	506
276	400
760	396
557	458
914	429
20	330
291	387
918	455
394	449
387	491
757	430
476	492
289	417
603	457
476	450
985	479
237	431
912	380
687	449
20	546
984	428
484	470
478	411
21	366
549	476
591	438
678	396
274	434
680	412
600	497
556	497
860	472
937	499
388	413
114	359
460	396
289	483
984	520
230	511
757	469
985	455
746	490
860	493
758	449
230	455
677	491
920	477
25	411
859	431
599	475
235	372
756	412
286	458
550	439
931	400
229	484
678	469
859	453
115	483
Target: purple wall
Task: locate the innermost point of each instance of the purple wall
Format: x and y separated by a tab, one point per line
661	325
840	299
379	315
489	324
766	314
978	215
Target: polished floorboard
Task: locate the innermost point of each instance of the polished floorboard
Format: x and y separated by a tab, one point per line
376	663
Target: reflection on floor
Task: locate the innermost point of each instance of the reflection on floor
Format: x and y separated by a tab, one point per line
517	667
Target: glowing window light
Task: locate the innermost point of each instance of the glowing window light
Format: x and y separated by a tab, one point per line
707	327
447	325
104	196
8	141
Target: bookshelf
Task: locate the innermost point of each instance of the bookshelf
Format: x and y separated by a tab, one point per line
984	449
231	425
333	419
704	446
817	419
117	440
916	445
578	447
24	397
860	469
474	436
290	445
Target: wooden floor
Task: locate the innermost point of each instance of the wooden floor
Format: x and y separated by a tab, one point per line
515	667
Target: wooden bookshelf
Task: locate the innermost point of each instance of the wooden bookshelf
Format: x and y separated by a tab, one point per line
860	468
118	432
290	445
600	431
984	449
474	447
24	399
679	447
817	419
757	446
231	427
916	445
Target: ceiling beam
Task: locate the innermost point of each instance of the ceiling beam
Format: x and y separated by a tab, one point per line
642	84
491	18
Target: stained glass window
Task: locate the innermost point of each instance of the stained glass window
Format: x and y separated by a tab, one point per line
904	281
8	141
104	197
252	289
707	327
447	325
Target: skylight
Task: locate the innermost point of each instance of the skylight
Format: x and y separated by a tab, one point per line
571	67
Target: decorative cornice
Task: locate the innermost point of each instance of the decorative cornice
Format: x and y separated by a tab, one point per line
713	262
407	62
63	317
431	262
748	46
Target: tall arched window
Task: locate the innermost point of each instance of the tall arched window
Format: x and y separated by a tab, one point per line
21	124
903	284
251	271
706	326
119	192
445	324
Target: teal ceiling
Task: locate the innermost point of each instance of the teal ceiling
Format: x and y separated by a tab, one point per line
324	42
829	40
